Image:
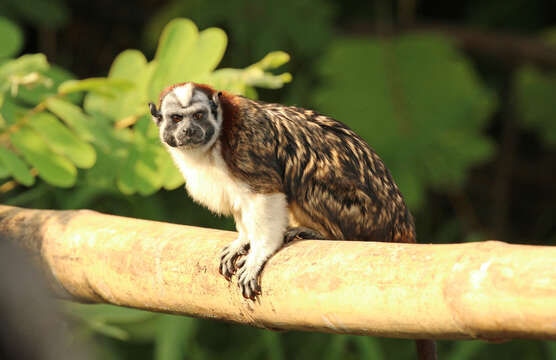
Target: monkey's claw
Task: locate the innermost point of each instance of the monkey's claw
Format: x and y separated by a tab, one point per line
248	279
229	256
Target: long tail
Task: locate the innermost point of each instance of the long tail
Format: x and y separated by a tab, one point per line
426	350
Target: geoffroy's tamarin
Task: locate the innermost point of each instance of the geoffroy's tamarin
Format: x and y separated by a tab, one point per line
282	172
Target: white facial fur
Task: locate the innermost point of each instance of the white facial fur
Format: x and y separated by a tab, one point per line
185	101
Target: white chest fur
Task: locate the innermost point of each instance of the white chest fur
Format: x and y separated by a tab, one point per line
209	182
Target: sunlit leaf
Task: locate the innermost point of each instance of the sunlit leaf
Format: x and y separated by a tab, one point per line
87	128
16	167
63	141
23	65
272	60
141	171
104	86
11	111
209	50
239	81
171	176
177	41
186	59
36	93
130	66
103	173
51	167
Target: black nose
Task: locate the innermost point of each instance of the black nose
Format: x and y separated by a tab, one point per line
193	133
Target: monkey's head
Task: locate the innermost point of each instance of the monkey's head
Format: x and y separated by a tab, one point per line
190	116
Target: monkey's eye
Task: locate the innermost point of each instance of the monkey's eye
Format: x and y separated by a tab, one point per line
198	115
176	118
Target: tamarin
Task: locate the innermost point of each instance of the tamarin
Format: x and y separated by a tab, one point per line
282	172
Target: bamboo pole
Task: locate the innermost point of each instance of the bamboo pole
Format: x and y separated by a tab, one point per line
488	290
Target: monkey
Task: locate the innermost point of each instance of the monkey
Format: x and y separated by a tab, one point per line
282	172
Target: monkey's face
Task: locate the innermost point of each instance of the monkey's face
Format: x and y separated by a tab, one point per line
188	118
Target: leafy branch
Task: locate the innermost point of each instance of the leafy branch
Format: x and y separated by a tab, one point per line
53	126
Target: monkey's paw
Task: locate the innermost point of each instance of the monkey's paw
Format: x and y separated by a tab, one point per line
229	256
248	276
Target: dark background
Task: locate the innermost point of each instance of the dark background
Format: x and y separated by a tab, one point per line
507	193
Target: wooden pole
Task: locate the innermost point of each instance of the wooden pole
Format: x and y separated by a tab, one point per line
488	290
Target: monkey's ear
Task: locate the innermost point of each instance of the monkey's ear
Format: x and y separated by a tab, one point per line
215	103
156	115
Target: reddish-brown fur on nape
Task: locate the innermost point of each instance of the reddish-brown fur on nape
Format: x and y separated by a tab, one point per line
209	91
230	120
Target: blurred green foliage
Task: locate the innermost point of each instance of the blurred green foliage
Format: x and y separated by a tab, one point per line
423	105
112	130
536	102
419	90
50	14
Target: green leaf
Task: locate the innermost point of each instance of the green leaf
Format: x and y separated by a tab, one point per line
10	38
417	102
129	66
239	81
11	112
105	86
209	50
36	93
535	92
16	167
89	129
141	171
171	176
272	60
23	65
185	55
176	42
53	168
103	174
63	141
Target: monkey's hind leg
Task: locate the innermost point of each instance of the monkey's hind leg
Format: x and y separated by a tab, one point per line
302	233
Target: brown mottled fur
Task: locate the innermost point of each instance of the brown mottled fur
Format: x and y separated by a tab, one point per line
334	182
